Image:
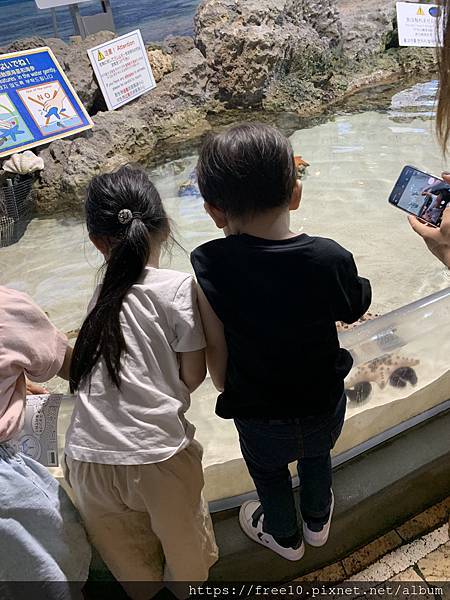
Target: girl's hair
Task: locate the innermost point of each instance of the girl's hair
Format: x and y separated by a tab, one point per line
125	210
443	109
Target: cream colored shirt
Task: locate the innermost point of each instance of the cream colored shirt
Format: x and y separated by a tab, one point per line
145	421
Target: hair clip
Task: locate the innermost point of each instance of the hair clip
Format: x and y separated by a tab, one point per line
125	216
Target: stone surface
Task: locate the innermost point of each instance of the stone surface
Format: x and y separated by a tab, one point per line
178	44
369	554
161	63
177	107
401	559
376	572
331	574
425	521
250	43
406	576
277	55
73	58
436	565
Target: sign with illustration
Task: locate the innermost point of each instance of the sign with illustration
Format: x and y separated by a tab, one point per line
38	438
122	69
418	25
37	101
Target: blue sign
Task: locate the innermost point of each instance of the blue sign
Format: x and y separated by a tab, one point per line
37	102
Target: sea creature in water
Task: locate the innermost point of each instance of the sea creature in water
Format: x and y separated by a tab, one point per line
301	165
369	316
190	186
23	163
393	369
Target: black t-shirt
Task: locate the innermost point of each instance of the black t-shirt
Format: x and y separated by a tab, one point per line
279	301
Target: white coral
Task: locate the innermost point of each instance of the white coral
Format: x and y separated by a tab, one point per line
23	163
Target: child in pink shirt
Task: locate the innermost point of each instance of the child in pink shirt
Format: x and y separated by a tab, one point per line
38	525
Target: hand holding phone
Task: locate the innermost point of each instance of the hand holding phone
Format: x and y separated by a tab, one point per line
422	195
437	239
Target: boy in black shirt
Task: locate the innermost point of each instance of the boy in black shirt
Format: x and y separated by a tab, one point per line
270	299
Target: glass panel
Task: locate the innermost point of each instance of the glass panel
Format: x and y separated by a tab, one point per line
355	159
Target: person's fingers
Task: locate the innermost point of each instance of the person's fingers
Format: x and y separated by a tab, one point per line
446	176
445	224
423	230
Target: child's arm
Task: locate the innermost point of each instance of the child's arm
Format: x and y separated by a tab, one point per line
64	372
353	293
192	369
216	346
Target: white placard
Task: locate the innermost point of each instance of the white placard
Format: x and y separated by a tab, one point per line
122	69
38	438
45	4
417	24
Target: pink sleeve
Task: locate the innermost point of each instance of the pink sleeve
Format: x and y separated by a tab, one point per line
28	341
29	345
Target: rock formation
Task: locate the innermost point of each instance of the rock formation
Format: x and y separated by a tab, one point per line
273	55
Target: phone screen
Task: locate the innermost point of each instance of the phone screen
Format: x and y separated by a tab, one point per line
421	194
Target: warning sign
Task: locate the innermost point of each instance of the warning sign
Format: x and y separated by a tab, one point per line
122	69
37	102
418	25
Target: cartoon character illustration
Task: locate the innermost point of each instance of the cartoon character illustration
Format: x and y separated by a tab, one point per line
53	107
9	129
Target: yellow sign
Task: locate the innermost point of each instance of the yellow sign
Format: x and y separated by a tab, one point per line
420	12
100	56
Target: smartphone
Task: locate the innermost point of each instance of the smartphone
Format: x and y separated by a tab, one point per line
421	194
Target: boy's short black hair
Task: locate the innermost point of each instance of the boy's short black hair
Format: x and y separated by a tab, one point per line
247	170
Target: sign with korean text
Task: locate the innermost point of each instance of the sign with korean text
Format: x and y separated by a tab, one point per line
418	25
43	4
122	69
37	101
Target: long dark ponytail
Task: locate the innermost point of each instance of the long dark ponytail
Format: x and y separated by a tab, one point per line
125	210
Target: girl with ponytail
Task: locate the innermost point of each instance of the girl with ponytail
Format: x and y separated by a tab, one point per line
131	457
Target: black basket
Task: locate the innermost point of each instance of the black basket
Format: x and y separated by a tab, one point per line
16	208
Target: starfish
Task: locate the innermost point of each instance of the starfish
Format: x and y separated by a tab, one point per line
389	368
393	369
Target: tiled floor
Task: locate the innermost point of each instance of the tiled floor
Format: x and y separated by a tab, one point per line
417	551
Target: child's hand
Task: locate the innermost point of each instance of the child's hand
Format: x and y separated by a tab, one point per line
35	388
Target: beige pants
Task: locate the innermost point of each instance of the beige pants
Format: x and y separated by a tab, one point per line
149	522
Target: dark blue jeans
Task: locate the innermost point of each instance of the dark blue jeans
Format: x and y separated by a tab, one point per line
268	446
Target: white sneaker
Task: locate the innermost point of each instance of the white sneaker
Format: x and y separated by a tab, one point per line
252	525
319	538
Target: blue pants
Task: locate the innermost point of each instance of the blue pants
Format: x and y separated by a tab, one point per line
268	446
42	539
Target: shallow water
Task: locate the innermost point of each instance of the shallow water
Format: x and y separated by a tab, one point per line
355	159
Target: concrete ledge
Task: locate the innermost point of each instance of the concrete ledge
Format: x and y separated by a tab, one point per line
374	493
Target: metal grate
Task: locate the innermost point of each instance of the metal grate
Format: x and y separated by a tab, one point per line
16	208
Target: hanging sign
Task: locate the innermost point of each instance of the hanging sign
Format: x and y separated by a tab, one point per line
37	102
418	25
122	69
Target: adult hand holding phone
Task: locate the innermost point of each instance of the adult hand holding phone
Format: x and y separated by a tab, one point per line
437	239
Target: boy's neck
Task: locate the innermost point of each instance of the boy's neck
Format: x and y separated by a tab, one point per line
272	225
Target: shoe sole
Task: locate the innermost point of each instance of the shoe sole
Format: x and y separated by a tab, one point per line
306	533
254	537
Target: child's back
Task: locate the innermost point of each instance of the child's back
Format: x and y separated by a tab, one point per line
270	301
279	301
132	461
142	421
